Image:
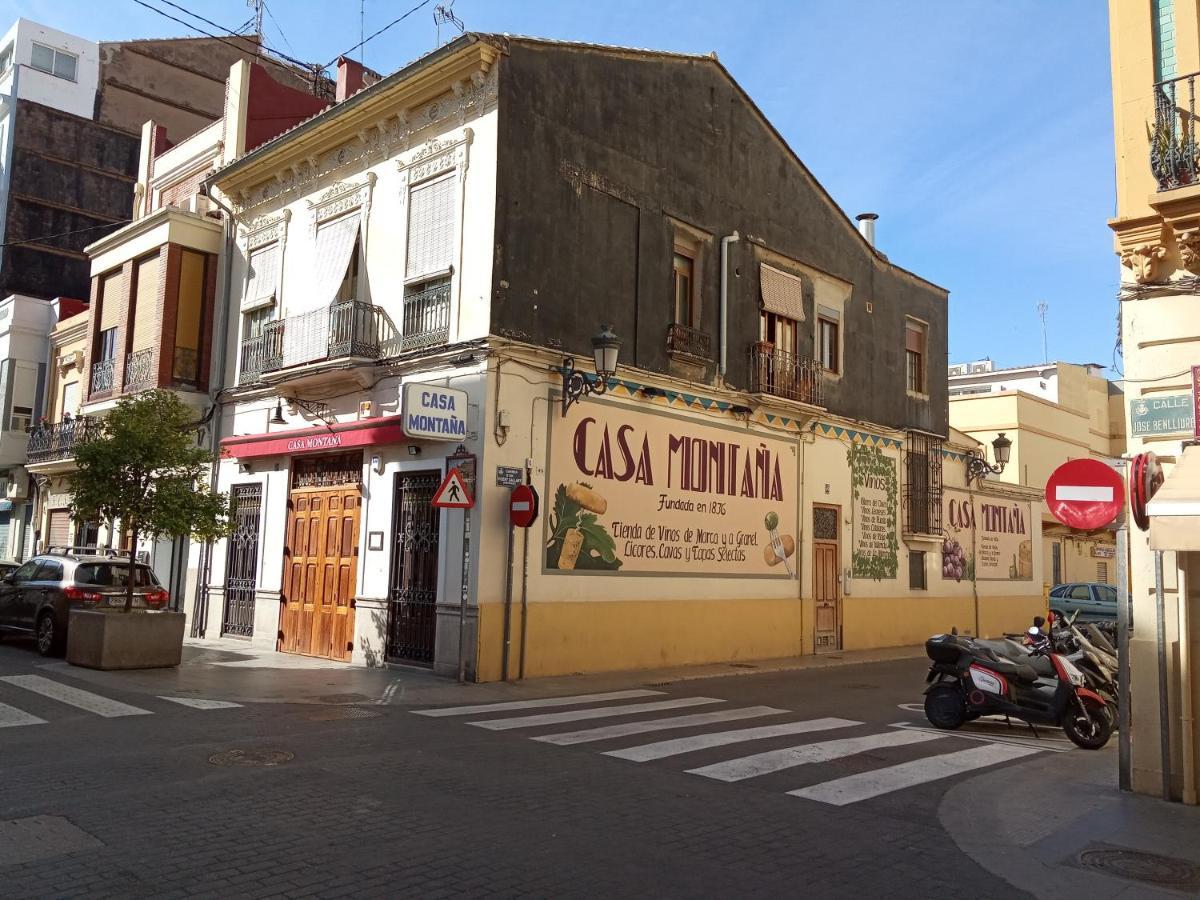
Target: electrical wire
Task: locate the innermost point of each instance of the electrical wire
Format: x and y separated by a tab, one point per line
278	27
371	37
48	237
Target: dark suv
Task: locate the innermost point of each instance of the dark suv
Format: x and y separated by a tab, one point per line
38	597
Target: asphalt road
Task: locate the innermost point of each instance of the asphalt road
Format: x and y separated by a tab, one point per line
762	785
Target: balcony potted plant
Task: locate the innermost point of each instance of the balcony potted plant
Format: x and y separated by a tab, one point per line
146	471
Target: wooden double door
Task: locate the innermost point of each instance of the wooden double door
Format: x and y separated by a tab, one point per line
320	566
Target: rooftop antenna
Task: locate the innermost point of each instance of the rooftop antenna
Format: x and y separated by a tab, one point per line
1042	307
257	6
362	44
444	15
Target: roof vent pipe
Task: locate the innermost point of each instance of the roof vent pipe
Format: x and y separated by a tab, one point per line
866	226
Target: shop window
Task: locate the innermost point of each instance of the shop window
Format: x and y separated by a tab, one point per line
916	570
923	484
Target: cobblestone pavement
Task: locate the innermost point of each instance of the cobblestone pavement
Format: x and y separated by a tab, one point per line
111	793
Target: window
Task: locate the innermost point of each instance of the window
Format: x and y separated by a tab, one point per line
827	340
58	63
348	289
189	312
1162	20
1102	571
6	58
780	331
1107	593
70	399
1080	592
262	275
255	321
923	484
431	227
21	419
1056	562
916	570
51	570
113	575
106	347
914	352
25	572
683	280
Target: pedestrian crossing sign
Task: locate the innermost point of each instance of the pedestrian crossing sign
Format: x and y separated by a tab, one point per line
453	493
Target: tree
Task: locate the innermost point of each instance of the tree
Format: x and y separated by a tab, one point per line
146	469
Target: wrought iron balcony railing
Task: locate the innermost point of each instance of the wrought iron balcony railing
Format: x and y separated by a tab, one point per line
785	375
58	441
139	370
102	376
1173	142
426	318
346	330
688	341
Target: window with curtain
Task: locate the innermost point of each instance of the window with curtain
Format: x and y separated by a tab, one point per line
335	250
431	221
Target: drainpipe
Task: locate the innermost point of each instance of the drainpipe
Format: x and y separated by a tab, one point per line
1187	721
725	242
215	388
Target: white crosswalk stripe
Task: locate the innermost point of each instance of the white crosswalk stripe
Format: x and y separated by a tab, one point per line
11	717
663	749
789	757
624	729
576	715
865	785
199	703
72	696
510	705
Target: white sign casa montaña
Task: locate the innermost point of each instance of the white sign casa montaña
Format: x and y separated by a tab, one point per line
435	413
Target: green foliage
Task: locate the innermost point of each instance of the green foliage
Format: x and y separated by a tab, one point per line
599	550
147	470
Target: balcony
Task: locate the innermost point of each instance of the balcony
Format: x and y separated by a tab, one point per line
53	443
139	371
426	318
102	378
683	340
785	375
1173	144
337	333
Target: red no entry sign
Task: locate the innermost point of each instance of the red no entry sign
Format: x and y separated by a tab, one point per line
1085	494
523	506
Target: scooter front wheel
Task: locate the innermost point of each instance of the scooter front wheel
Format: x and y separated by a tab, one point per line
1089	728
945	707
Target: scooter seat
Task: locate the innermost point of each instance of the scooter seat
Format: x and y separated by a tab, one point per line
1017	671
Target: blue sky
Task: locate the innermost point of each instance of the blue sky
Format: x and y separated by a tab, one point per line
979	130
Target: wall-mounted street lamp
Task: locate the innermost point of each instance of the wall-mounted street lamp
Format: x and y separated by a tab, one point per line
605	348
977	464
277	418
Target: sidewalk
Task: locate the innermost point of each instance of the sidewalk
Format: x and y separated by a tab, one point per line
232	670
1075	835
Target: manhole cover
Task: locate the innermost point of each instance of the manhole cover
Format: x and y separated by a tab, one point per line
251	757
341	712
343	698
1137	865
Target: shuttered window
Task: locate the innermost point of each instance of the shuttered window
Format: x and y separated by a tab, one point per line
110	300
58	533
335	246
263	276
145	304
782	292
431	226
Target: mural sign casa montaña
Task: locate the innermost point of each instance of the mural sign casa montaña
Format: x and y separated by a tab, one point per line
873	481
987	539
645	493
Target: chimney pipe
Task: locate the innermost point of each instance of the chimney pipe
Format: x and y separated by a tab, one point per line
350	78
866	226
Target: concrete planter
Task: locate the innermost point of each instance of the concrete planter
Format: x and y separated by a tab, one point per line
119	640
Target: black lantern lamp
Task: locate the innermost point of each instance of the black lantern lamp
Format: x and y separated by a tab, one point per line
277	418
606	346
977	464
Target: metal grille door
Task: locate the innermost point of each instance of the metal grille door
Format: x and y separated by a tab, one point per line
241	563
412	608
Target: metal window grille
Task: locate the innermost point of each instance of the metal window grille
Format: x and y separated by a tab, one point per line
923	484
241	571
327	471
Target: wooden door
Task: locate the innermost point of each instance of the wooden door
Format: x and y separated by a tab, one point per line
827	628
320	561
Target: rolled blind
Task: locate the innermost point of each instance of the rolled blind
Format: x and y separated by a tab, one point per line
59	530
263	275
110	300
914	338
431	226
335	244
145	304
782	292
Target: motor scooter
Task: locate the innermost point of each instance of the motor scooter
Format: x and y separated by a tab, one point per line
968	679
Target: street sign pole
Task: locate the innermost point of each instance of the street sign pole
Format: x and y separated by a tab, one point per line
464	463
1124	626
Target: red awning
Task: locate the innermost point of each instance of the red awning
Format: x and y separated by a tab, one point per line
315	439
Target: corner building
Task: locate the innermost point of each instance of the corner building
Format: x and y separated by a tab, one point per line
770	471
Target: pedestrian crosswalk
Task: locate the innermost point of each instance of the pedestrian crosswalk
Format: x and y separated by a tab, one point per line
51	696
879	762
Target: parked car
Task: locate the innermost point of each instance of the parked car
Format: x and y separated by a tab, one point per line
38	596
1095	602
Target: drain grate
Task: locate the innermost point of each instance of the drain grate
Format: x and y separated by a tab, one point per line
251	757
338	713
1138	865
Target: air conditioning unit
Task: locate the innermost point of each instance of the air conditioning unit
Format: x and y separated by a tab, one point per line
981	367
958	370
17	489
